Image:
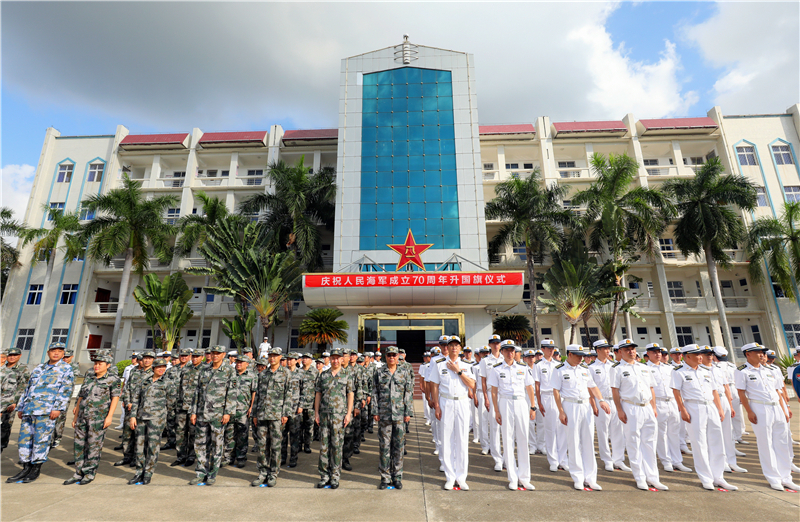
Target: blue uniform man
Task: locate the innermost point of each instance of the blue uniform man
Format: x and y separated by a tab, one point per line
44	400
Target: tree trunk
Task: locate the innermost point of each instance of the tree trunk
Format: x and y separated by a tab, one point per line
627	314
289	313
572	333
532	288
614	316
586	327
203	314
36	333
123	298
723	318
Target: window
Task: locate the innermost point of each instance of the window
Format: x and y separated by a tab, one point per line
792	335
761	196
68	294
205	341
512	165
667	247
641	330
566	164
650	291
675	289
211	173
57	206
191	333
756	333
255	172
65	173
519	250
633	285
567	203
658	330
684	335
96	172
179	175
699	289
86	214
743	282
734	330
593	336
224	173
527	165
197	290
783	155
60	335
792	194
148	345
651	163
293	342
35	294
711	155
81	255
696	160
253	182
209	298
488	166
547	331
25	338
172	215
624	332
747	155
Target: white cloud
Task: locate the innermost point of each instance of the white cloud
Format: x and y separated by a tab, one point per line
620	85
17	182
755	44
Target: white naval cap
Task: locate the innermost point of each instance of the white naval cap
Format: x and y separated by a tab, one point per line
454	339
507	343
495	339
749	347
771	353
653	346
576	349
675	350
528	353
601	343
720	351
443	339
548	343
692	348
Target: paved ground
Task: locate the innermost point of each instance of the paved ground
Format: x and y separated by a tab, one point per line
169	497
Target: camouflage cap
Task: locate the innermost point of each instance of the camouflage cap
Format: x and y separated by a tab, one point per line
217	349
360	358
243	358
293	355
14	351
186	351
275	351
306	355
69	352
198	352
337	352
57	346
103	356
160	362
391	349
401	350
148	353
262	361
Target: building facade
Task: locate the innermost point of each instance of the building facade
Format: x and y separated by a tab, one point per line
408	258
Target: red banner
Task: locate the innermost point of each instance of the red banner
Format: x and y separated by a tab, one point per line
415	279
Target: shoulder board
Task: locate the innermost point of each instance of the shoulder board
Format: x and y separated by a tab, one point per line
440	359
496	365
522	364
584	365
559	366
591	363
475	363
678	367
537	362
615	364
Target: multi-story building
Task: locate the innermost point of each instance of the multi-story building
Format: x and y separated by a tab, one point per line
414	171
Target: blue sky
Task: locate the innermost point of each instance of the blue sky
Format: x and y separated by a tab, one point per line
261	64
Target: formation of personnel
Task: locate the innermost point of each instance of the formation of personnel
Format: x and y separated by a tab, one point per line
515	403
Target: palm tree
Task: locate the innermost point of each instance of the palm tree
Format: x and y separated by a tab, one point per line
623	219
64	227
240	328
129	224
777	240
533	215
165	305
323	326
516	327
9	255
707	224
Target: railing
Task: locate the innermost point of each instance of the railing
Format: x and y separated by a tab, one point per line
118	263
739	303
646	303
494	175
197	261
573	173
195	306
250	181
684	302
107	308
213	182
172	182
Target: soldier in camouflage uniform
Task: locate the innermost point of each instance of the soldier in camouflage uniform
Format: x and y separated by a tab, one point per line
394	403
69	356
307	402
184	431
358	390
243	392
148	418
366	379
291	430
130	391
410	369
45	399
261	365
274	403
18	374
320	366
173	375
211	408
92	415
333	403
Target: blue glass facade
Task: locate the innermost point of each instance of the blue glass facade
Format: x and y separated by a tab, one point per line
408	159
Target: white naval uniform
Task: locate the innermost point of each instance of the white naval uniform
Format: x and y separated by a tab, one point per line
475	411
511	382
668	445
771	427
535	433
608	424
554	435
436	425
483	415
721	378
684	431
737	421
493	430
780	380
697	389
573	383
635	384
454	404
423	370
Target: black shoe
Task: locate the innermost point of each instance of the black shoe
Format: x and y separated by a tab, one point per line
334	485
363	439
123	462
397	483
85	480
26	468
405	452
346	465
169	446
146	481
118	448
178	462
56	443
136	478
369	430
383	485
33	475
307	449
316	438
189	463
283	462
356	451
70	463
322	483
271	481
132	464
292	463
240	463
72	480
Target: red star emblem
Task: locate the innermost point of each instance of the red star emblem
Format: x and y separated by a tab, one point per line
410	252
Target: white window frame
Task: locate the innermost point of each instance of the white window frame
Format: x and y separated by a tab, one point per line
173	214
792	193
782	155
761	196
96	171
59	335
71	293
684	333
65	171
667	246
25	338
746	155
488	166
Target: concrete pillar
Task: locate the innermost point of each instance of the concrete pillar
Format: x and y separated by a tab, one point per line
543	132
501	162
630	122
666	303
155	173
677	157
124	340
317	160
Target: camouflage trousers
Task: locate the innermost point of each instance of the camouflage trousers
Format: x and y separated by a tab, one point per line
349	438
35	437
209	442
128	438
61	422
391	436
307	427
170	431
362	425
5	428
236	439
148	444
331	442
269	447
184	435
89	437
291	438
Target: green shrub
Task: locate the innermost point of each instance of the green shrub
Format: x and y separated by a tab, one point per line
122	365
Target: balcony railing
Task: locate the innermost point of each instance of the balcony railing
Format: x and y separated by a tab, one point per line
171	182
684	302
106	308
647	304
213	182
573	173
250	181
740	303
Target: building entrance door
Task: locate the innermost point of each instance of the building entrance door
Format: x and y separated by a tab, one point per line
415	332
413	342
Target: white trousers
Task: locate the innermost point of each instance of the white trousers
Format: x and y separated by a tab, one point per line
773	453
485	422
426	410
580	442
738	420
454	452
555	440
610	427
727	433
475	414
668	445
640	441
494	435
515	417
705	434
532	446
